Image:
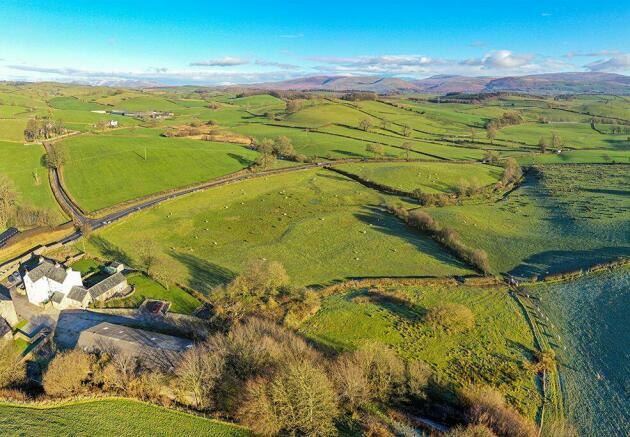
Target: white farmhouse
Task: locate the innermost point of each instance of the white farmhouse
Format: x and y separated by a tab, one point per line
47	279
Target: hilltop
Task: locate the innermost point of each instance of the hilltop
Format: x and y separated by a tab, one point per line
551	83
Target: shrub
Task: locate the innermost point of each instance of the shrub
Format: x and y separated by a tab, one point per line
384	370
68	373
451	317
422	220
11	368
198	374
417	376
476	430
351	383
298	400
486	406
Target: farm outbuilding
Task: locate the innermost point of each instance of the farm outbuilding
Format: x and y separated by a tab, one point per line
153	349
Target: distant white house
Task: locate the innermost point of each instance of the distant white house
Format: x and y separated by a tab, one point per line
113	123
48	278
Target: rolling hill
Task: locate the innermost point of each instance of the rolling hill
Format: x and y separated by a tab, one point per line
552	83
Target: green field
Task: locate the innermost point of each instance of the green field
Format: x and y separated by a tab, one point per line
23	166
564	218
119	417
574	136
493	352
103	170
429	177
319	225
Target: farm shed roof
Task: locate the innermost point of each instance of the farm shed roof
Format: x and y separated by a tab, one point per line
107	284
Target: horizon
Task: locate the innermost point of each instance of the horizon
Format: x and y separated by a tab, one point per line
214	45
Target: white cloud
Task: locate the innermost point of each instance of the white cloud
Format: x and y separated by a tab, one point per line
500	59
153	75
619	62
385	64
226	61
280	65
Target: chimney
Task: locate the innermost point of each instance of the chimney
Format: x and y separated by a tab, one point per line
40	260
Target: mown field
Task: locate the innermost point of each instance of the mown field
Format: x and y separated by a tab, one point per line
495	351
103	170
119	417
320	225
564	217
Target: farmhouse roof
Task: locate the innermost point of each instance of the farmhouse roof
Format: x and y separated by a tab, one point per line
107	284
47	269
57	297
77	293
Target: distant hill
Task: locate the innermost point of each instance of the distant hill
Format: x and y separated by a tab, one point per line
552	83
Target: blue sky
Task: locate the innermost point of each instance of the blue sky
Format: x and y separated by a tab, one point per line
232	42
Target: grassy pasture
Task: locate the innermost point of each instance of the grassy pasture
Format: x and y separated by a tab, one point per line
327	113
107	417
577	157
493	352
429	177
571	217
103	170
575	135
74	104
20	164
321	226
12	129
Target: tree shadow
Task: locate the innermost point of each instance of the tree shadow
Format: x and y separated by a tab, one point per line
241	159
204	275
388	224
395	304
348	153
109	250
558	261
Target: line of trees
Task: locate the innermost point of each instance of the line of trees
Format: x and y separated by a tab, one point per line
43	129
444	235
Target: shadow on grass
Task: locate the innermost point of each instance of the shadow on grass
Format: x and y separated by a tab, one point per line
388	224
241	159
348	153
558	261
394	302
204	275
110	250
